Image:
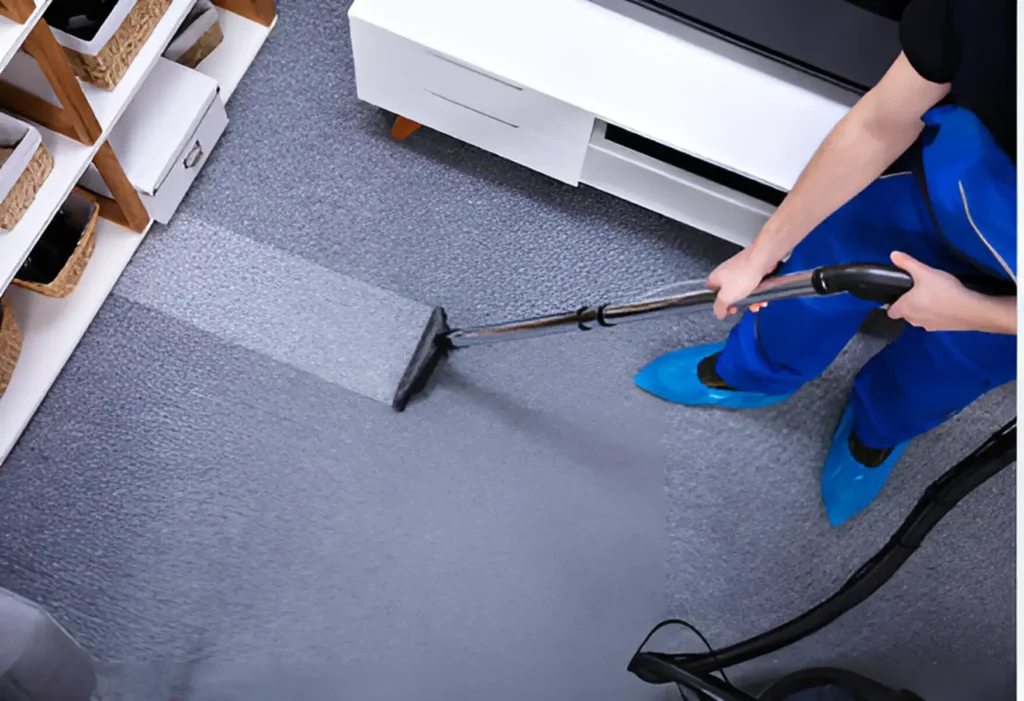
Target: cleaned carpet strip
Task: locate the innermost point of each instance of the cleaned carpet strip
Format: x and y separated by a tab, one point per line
344	331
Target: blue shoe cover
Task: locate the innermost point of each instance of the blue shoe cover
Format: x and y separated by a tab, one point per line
848	487
673	377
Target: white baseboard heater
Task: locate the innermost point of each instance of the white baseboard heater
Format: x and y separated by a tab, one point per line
703	195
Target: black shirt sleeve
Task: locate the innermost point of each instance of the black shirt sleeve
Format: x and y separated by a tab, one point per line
928	40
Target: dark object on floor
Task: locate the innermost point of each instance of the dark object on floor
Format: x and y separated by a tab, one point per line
55	246
941	497
79	18
827	684
39	660
882	284
820	684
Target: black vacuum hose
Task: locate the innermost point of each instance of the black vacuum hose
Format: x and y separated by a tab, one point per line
997	453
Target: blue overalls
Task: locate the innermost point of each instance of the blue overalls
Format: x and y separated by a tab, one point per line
922	378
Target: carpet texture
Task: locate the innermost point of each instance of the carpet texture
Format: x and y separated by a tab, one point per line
210	499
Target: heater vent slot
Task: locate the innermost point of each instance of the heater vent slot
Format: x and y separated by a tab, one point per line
708	171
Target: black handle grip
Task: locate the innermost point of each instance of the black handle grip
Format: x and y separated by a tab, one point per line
884	284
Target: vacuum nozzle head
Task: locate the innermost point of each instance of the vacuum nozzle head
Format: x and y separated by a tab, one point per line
430	351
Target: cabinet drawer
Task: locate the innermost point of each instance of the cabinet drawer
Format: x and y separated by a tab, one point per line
672	191
557	159
381	55
505	100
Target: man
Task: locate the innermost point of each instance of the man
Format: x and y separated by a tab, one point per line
950	212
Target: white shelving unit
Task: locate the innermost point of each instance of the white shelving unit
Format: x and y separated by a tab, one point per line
52	328
71	158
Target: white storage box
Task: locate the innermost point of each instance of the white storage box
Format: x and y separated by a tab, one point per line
104	59
26	163
165	136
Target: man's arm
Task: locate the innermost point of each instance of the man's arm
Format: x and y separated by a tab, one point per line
879	128
995	314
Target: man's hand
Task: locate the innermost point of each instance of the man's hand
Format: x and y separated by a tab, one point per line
736	278
939	302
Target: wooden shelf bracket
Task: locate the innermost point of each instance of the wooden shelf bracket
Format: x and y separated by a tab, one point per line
126	208
18	10
74	117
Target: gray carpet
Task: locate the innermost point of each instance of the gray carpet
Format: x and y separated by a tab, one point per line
222	514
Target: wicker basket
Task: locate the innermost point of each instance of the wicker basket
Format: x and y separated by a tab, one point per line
22	194
106	68
10	344
204	47
70	275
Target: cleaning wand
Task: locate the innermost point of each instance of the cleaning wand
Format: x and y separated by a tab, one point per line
882	284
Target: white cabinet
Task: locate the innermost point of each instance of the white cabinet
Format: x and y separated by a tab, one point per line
533	80
469	104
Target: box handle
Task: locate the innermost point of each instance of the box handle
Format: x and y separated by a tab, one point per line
195	155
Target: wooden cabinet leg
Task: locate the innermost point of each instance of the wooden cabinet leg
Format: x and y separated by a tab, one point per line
403	128
261	11
126	208
74	117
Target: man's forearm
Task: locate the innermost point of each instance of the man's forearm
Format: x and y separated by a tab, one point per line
993	314
879	128
851	157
